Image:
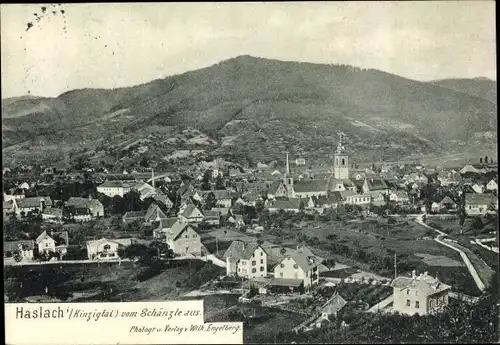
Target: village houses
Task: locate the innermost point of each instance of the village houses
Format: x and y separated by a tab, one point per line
56	242
183	239
479	204
106	249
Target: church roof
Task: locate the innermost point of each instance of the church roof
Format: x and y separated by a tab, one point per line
308	185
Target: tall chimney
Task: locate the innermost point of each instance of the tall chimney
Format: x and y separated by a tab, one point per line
413	274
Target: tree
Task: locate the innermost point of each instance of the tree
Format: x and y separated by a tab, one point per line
209	201
160	249
18	256
477	224
301	205
117	205
205	185
219	182
132	201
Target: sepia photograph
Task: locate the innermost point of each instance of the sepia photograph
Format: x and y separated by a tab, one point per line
307	172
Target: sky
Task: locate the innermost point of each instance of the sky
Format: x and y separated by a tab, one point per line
72	46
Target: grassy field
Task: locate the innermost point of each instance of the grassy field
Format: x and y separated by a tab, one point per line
108	282
259	320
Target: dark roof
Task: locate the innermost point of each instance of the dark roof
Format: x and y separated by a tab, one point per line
188	211
33	202
135	214
154	212
480	199
10	246
83	202
178	228
303	257
286	204
167	223
308	185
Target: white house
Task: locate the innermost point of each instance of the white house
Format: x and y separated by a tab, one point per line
183	238
399	196
479	204
191	214
421	294
34	204
112	188
56	242
53	215
478	188
106	249
95	207
353	198
246	260
298	266
492	185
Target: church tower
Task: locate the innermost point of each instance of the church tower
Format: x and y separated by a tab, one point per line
288	180
341	161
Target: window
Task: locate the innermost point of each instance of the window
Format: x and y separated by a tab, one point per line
239	269
295	266
408	291
254	270
417	304
194	236
282	265
261	261
408	302
186	236
416	292
262	269
281	274
253	263
261	253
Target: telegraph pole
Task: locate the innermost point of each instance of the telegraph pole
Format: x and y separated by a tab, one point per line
217	244
395	267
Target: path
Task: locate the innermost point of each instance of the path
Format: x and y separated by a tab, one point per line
491	249
381	305
63	262
465	258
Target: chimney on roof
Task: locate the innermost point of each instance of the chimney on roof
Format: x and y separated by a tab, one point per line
413	274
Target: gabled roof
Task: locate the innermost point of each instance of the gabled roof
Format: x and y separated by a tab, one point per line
154	212
34	202
447	201
189	210
334	304
178	228
163	199
56	212
83	203
287	204
331	199
10	246
239	250
43	236
480	199
167	223
308	185
135	214
303	257
114	184
120	241
376	184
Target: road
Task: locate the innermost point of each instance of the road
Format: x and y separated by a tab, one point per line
465	258
381	305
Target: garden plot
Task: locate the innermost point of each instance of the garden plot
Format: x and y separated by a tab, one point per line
435	260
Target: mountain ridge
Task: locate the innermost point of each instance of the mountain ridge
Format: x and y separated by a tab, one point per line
293	105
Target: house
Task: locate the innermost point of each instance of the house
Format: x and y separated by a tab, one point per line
9	207
34	204
164	226
447	178
447	203
468	168
95	207
353	198
187	192
287	205
435	207
479	204
165	200
106	249
399	196
183	239
239	222
252	198
297	270
154	214
332	307
212	217
492	185
301	188
477	188
332	200
134	216
14	194
79	215
375	185
115	187
24	186
56	242
421	294
25	248
191	214
234	172
53	215
338	185
246	260
377	198
222	198
144	189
